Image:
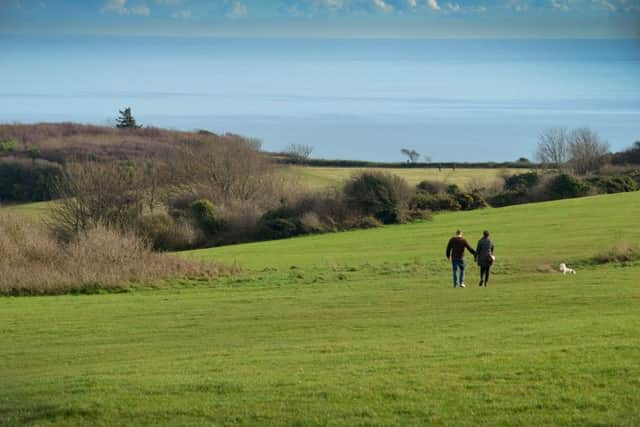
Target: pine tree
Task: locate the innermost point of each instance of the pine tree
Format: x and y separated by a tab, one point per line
126	120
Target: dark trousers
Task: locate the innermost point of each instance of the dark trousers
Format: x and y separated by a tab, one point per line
484	273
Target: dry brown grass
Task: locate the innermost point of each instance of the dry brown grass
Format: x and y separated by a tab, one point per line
622	252
32	263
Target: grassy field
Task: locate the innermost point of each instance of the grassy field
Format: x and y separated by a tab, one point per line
321	177
357	328
32	210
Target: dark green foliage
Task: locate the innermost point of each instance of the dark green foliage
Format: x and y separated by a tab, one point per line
378	194
126	120
362	222
206	217
508	198
614	184
467	201
27	181
8	145
432	187
565	186
434	202
522	181
280	223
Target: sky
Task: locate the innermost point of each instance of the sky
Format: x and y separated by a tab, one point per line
325	18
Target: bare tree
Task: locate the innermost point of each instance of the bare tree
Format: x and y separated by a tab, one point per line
299	151
553	147
233	169
412	155
93	194
587	150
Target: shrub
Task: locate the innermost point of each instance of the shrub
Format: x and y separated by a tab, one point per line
434	202
206	217
24	180
564	186
363	222
377	194
279	228
521	181
432	187
621	252
614	184
467	201
165	234
508	198
8	145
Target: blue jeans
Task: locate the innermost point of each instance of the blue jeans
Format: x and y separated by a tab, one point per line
458	264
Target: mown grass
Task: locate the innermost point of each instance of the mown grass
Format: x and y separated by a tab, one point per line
358	328
326	177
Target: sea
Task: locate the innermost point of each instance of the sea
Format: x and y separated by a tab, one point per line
449	99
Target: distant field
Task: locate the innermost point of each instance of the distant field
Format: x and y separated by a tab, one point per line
33	210
320	177
356	328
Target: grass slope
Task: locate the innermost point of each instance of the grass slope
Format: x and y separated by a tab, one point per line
363	330
321	177
37	210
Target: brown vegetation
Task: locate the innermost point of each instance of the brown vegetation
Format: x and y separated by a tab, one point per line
32	263
622	252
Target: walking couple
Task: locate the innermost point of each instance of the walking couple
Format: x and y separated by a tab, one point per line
483	255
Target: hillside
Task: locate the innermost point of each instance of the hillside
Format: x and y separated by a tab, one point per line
356	328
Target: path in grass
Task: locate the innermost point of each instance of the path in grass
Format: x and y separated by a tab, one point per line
363	330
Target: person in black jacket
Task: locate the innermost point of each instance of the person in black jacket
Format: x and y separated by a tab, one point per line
484	257
455	252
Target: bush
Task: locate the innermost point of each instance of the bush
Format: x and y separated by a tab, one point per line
614	184
467	201
431	187
165	234
521	181
362	222
377	194
206	217
279	228
434	202
24	180
565	186
508	198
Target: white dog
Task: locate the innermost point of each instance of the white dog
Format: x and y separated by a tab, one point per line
564	269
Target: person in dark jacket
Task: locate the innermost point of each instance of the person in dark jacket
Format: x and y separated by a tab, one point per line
455	252
484	257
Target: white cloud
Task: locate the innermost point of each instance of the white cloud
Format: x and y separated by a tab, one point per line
412	3
380	4
433	4
120	7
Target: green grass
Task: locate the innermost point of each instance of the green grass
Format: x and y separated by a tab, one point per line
36	210
322	177
357	328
